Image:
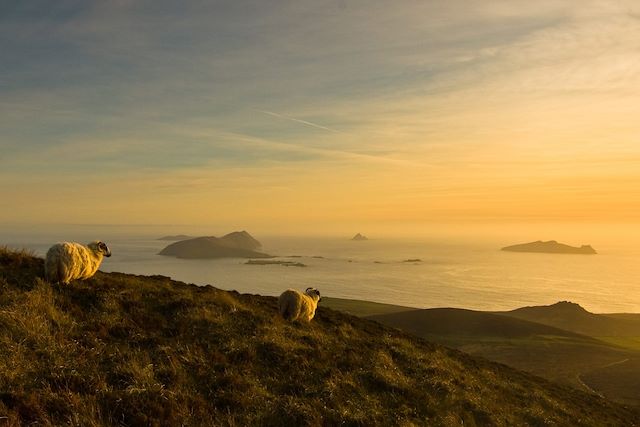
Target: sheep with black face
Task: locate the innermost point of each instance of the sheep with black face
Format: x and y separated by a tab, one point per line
67	261
295	305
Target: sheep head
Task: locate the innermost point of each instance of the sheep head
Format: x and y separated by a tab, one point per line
313	293
100	248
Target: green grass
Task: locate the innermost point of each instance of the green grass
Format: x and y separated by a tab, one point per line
631	343
543	350
619	380
555	358
362	308
456	321
130	350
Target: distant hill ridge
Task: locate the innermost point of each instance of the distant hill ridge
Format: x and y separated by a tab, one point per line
552	247
176	237
238	244
562	342
573	317
447	321
153	351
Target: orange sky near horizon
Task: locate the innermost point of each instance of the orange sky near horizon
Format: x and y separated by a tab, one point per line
427	113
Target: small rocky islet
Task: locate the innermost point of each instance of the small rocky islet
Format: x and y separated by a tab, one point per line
550	247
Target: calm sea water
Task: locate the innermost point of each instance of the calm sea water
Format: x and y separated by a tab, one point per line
466	274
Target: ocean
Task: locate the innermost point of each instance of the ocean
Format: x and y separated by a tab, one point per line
463	273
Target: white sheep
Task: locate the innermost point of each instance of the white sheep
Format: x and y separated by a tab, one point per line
67	261
295	305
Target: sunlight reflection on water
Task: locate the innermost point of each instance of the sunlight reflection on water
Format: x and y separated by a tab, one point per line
473	275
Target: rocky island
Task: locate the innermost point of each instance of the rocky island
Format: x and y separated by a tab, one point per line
359	237
238	244
550	247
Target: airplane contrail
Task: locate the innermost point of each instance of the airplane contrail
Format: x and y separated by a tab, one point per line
293	119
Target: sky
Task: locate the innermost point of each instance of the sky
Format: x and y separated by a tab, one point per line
308	115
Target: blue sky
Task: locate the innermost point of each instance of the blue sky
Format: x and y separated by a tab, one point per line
360	104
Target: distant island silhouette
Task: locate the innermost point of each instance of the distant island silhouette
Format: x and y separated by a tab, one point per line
238	244
359	237
551	247
176	237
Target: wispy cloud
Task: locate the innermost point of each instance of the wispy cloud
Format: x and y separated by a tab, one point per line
317	153
422	98
293	119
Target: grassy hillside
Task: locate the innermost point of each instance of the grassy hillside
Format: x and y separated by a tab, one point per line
130	350
362	308
553	353
618	379
461	322
572	317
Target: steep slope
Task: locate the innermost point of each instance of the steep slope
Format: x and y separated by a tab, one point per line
130	350
550	352
617	379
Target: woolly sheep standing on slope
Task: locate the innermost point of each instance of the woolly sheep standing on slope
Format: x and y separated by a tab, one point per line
295	305
69	261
